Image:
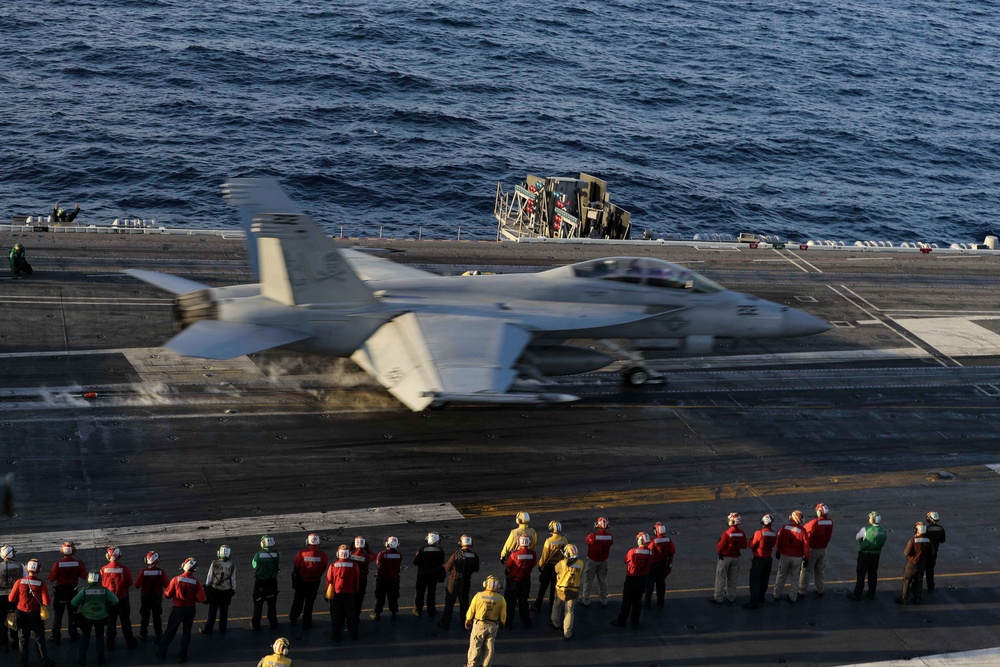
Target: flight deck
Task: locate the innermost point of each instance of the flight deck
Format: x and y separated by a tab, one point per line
115	440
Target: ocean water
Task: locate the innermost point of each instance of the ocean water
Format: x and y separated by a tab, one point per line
839	119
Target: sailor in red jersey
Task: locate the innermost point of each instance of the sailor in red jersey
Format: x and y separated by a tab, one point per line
792	549
151	581
760	568
364	557
28	596
307	573
598	550
637	562
117	578
727	572
66	575
520	564
387	565
664	550
818	533
342	581
186	591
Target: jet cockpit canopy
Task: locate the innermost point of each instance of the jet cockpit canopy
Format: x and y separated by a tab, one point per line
645	271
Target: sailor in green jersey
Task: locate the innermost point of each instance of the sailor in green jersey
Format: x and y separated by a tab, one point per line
870	539
94	604
265	583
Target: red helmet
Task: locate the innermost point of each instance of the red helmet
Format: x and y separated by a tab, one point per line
733	519
822	510
152	558
642	539
113	553
601	523
68	549
659	528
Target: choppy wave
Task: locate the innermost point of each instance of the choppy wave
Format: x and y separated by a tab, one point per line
806	119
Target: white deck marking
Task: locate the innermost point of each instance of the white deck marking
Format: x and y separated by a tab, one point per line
995	467
222	529
954	336
988	656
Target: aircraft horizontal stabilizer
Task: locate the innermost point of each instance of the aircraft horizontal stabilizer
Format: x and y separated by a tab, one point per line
167	282
213	339
512	398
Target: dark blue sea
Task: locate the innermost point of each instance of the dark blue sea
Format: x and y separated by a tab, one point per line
825	119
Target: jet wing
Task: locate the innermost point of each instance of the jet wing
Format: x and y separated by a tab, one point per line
421	359
167	282
213	339
369	267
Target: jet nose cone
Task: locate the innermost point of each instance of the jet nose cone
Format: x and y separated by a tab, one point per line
798	323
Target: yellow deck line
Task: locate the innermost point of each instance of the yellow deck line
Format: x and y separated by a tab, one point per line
703	493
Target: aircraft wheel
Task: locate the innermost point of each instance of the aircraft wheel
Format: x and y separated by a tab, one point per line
636	377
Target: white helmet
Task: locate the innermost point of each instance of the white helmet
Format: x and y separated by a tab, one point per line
32	565
224	552
465	541
570	551
822	509
555	527
733	519
359	542
7	552
874	518
433	538
642	539
523	518
659	528
766	520
113	553
67	549
921	528
280	646
524	541
312	540
266	541
152	558
93	577
491	583
391	542
343	552
933	517
189	564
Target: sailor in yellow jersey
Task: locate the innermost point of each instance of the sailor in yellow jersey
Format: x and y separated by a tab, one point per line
523	528
487	612
280	656
569	572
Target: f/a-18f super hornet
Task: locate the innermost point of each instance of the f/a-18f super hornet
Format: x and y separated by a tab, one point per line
433	339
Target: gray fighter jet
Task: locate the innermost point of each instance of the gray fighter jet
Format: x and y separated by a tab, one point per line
432	339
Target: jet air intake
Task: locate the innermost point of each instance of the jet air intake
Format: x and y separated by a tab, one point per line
195	306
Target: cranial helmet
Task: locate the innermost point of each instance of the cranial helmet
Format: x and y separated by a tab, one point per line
152	558
523	518
433	538
391	542
343	552
93	577
921	528
189	564
733	519
570	551
795	516
933	517
523	540
281	646
659	528
67	549
32	565
359	542
601	523
113	553
224	551
266	541
766	520
555	527
465	541
874	518
7	552
822	510
312	540
491	583
642	539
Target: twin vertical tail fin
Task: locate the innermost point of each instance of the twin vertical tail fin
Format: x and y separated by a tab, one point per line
294	259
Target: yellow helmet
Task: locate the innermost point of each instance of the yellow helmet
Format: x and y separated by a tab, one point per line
555	527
